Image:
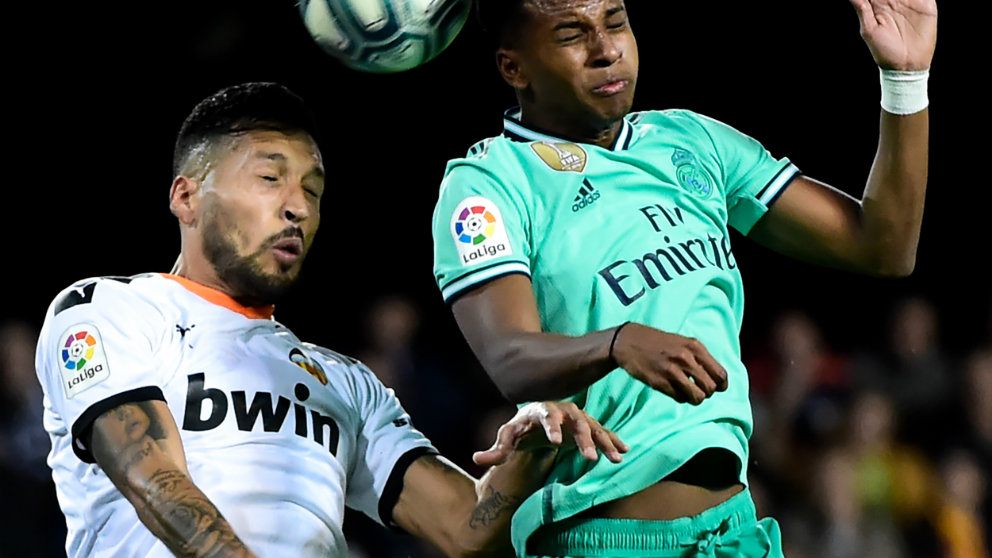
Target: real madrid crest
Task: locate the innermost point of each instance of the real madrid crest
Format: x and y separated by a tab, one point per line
564	157
689	175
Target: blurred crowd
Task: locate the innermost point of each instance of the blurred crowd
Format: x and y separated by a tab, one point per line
880	451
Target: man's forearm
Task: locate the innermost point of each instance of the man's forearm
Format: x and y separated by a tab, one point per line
894	196
543	366
183	518
468	517
498	495
137	446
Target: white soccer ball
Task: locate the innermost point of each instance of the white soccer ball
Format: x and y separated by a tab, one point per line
384	36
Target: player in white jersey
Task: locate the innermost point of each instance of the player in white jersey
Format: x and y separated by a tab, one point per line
186	421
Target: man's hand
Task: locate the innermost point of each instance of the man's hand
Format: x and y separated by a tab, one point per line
901	34
678	366
544	425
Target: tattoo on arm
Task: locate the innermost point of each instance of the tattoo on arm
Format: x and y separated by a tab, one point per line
192	522
165	497
492	508
135	432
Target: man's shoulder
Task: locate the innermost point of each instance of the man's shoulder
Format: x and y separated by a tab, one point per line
666	118
332	357
105	290
487	152
347	375
494	160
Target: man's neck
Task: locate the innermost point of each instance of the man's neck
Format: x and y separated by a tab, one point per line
603	136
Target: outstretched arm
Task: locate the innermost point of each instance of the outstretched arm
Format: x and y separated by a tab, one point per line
500	321
878	234
138	446
467	517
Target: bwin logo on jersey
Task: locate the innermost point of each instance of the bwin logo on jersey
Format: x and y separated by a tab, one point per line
261	409
587	196
564	157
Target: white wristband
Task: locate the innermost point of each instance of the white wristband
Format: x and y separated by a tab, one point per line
904	92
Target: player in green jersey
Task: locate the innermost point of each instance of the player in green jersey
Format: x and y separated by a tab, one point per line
585	255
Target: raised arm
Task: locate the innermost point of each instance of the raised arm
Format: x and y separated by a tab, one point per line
138	446
501	324
877	235
463	516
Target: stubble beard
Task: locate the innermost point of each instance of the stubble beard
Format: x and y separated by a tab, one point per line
245	278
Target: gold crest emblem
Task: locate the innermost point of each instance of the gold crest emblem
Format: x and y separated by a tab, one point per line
564	157
312	367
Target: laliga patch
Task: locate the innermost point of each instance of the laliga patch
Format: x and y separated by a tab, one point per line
479	232
82	360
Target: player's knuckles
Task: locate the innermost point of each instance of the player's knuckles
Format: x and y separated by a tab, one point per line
673	372
569	408
603	438
705	383
684	356
695	345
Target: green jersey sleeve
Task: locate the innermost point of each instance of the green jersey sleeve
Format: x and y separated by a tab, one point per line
753	178
481	230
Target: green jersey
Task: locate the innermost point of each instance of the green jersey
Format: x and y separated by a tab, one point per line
637	232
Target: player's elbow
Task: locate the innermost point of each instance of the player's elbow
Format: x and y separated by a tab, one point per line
898	270
889	257
519	390
515	392
893	264
509	375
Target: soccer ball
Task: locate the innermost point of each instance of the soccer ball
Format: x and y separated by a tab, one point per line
384	36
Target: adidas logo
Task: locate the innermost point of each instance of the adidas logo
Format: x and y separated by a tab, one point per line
587	196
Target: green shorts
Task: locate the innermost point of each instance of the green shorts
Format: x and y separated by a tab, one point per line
729	530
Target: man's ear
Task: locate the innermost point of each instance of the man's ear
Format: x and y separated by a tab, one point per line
183	199
507	61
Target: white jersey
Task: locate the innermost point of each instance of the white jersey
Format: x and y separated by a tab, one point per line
281	435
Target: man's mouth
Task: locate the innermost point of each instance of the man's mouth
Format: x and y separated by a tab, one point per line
288	250
611	87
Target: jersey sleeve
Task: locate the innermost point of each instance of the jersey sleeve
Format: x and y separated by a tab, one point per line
387	444
96	351
753	178
481	230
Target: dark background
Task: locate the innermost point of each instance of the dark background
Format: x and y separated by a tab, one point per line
102	91
96	93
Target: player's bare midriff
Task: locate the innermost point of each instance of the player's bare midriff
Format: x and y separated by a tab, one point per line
702	483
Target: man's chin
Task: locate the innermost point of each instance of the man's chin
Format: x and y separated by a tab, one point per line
614	109
264	288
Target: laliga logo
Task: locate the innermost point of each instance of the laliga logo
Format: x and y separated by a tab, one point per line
483	252
474	226
78	349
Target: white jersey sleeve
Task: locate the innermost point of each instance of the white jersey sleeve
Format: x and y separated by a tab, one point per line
386	445
96	351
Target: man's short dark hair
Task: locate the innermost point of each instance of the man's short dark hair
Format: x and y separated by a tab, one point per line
498	18
238	109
